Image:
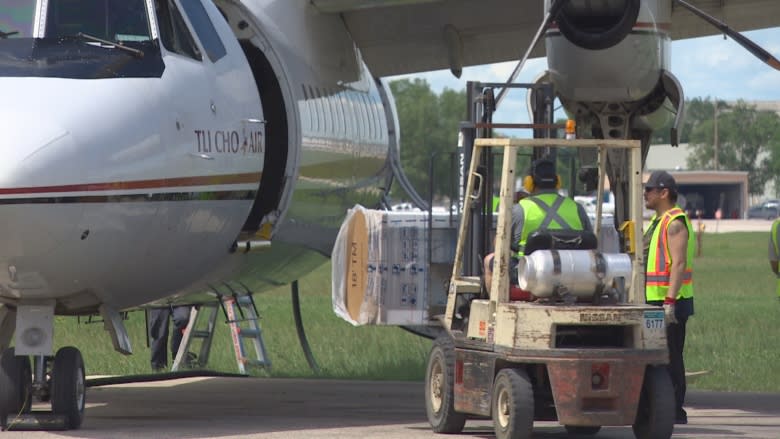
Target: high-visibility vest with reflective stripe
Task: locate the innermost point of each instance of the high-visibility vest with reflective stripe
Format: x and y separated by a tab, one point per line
659	260
496	201
548	211
775	226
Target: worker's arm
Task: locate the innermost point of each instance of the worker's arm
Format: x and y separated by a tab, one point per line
586	225
518	217
773	257
677	237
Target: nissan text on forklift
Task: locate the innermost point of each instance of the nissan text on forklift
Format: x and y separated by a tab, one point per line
573	341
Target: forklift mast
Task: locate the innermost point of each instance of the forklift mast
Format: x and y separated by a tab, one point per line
481	107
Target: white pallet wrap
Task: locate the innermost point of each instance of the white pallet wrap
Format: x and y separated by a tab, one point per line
380	267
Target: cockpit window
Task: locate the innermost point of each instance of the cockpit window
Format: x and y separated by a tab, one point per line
16	18
201	21
112	20
173	31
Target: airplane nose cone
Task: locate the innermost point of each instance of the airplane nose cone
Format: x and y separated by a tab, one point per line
37	162
35	151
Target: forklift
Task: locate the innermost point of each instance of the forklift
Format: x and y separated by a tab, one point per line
573	340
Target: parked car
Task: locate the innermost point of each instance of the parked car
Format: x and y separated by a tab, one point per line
767	210
772	203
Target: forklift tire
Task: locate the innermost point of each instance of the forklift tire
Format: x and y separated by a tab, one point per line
579	430
439	385
513	405
655	414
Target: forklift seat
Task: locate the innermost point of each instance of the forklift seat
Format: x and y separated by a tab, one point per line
560	240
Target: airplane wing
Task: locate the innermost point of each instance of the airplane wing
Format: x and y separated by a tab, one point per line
740	15
407	36
398	37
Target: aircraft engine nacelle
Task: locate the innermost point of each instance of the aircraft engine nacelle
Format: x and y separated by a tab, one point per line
609	60
609	63
608	50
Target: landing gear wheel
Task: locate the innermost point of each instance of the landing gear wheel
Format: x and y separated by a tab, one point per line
655	415
579	430
15	384
513	405
439	384
68	395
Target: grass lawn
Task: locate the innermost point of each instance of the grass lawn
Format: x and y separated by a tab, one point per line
341	350
735	334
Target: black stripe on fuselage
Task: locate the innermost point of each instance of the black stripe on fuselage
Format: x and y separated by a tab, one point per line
136	198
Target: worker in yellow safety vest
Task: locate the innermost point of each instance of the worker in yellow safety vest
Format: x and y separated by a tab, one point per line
543	209
669	248
774	251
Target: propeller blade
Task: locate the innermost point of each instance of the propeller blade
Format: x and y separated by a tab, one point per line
555	9
743	41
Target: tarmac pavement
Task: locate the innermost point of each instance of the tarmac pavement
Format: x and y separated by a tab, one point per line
295	408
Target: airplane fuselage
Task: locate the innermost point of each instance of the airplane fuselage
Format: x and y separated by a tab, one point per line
131	179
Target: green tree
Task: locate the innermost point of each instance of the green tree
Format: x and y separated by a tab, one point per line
429	130
697	110
429	125
747	141
774	166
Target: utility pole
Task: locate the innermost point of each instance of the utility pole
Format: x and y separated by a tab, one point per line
715	136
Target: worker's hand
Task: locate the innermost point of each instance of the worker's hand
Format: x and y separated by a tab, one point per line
669	311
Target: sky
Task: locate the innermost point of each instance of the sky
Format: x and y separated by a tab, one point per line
706	67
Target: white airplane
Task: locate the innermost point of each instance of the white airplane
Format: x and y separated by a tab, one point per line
157	149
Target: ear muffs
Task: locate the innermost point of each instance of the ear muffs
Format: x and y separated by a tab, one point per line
528	184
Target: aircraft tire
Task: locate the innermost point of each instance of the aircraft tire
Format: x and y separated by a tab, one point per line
439	388
69	392
15	384
655	415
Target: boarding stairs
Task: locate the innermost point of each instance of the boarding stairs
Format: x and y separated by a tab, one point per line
245	332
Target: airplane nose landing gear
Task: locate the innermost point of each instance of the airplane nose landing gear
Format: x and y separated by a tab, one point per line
60	379
68	391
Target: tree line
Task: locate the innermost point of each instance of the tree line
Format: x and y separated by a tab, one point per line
748	138
429	133
429	126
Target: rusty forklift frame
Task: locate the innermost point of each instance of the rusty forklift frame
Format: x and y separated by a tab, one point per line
507	359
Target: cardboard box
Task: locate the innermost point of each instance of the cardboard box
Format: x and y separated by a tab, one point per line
381	270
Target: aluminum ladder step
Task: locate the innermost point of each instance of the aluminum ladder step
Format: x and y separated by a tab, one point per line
246	333
201	326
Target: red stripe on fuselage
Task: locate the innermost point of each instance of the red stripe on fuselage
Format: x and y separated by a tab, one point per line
662	26
161	183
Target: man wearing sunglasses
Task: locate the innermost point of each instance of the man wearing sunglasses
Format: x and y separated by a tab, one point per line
669	247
